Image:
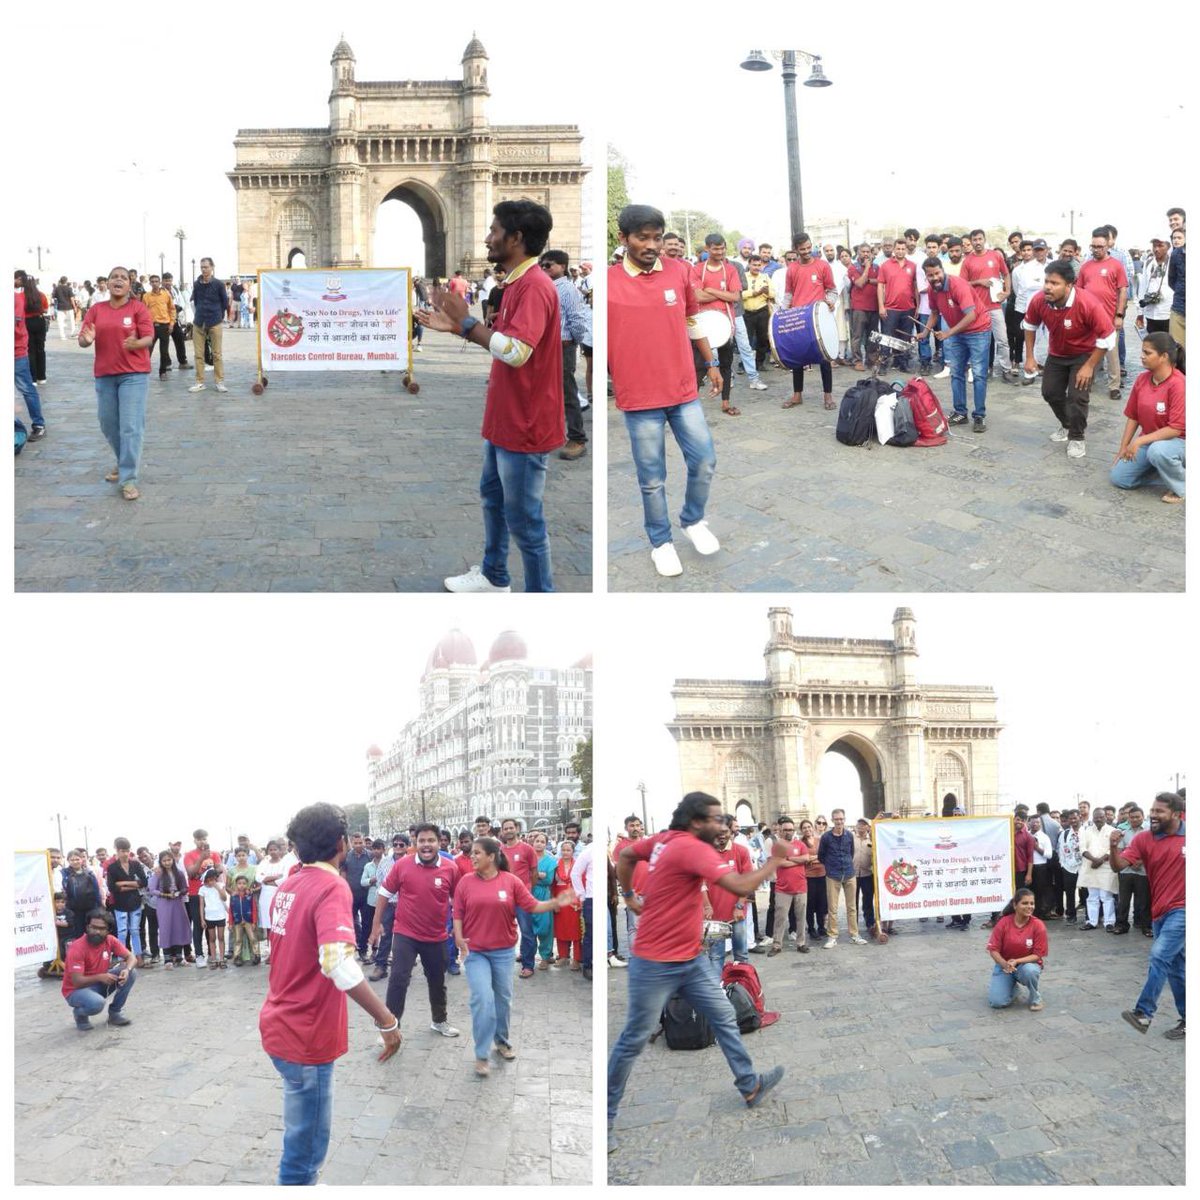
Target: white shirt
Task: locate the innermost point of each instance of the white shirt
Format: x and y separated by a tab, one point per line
1096	841
581	873
1154	279
1028	278
1044	850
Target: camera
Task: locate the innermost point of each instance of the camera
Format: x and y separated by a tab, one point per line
1152	298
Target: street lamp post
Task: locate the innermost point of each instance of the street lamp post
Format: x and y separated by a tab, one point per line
162	263
641	787
182	238
1073	213
757	61
38	251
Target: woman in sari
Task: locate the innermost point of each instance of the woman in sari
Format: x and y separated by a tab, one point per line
567	927
543	880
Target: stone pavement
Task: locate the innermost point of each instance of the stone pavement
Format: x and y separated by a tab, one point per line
185	1094
1005	510
898	1072
324	483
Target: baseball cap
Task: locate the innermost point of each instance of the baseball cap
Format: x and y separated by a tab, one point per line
1040	244
1162	241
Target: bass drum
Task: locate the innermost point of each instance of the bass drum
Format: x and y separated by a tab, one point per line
804	337
712	324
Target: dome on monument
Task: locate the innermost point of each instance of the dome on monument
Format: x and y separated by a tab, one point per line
342	50
509	645
454	650
903	614
474	49
584	664
374	752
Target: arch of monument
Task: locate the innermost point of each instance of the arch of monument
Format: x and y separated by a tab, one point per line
317	192
760	743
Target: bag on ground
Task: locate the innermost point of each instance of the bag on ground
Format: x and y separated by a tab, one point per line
856	415
748	1019
746	977
927	413
20	435
905	429
683	1027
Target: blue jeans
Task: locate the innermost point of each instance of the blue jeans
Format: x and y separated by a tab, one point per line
23	381
716	951
307	1115
121	404
925	345
651	985
89	1001
647	438
1166	459
528	938
511	488
742	338
1166	964
490	987
129	929
1002	985
585	948
384	949
961	349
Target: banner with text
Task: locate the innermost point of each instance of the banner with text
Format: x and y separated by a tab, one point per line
932	867
352	320
35	938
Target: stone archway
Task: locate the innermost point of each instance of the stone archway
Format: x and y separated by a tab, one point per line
297	260
431	212
867	762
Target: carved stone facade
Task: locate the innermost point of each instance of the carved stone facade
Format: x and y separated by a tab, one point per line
427	143
761	743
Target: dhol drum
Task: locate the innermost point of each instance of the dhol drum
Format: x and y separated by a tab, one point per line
713	324
804	337
716	931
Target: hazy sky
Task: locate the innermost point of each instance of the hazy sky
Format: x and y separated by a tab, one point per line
249	66
1084	709
151	715
911	131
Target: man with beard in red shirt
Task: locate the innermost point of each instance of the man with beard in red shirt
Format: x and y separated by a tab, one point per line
521	859
303	1020
669	957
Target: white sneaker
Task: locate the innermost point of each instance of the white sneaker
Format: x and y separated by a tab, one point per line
1077	449
196	387
666	559
970	375
473	581
222	388
944	373
444	1028
201	961
830	943
614	961
758	386
417	349
702	538
857	941
1059	435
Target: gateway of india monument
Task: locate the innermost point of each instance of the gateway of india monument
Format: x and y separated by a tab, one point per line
316	193
758	745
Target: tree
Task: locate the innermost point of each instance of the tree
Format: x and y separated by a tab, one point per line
358	819
581	765
693	225
618	195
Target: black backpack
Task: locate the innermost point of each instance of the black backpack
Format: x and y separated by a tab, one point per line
683	1027
905	426
747	1014
856	416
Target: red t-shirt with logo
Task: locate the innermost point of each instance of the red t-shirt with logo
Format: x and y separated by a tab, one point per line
724	278
723	902
82	956
1074	329
649	351
669	929
21	345
194	856
458	285
1104	280
524	411
988	265
422	897
1156	405
113	326
303	1019
1010	942
899	279
951	303
865	298
808	282
521	858
639	870
794	880
464	864
1165	860
487	909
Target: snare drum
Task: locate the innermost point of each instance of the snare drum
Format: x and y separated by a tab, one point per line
716	931
804	337
713	324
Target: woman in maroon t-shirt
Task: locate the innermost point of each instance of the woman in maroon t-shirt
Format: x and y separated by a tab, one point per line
1156	409
1018	946
123	333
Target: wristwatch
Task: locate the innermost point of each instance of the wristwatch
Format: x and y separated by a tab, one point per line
468	323
716	362
626	893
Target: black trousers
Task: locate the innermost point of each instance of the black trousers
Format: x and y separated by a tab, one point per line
180	343
725	360
1069	880
818	906
826	378
1135	890
612	924
194	911
1070	405
1016	335
758	324
866	899
162	335
36	328
1043	900
405	952
574	413
364	914
149	922
769	932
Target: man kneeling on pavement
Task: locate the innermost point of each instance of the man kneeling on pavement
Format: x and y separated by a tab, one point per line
90	976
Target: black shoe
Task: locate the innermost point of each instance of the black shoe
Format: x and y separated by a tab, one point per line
116	1018
1087	925
84	1026
1176	1034
36	433
758	949
183	366
1138	1020
958	418
980	425
774	950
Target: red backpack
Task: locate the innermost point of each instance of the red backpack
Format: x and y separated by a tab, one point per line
927	413
747	976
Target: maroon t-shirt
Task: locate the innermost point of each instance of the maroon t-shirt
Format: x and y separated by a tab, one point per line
423	896
1165	860
113	326
487	909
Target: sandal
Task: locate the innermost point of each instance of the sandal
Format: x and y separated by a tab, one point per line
830	405
543	964
526	973
113	475
130	492
575	966
794	402
731	410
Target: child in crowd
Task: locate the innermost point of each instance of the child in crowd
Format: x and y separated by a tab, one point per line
241	919
213	898
62	926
